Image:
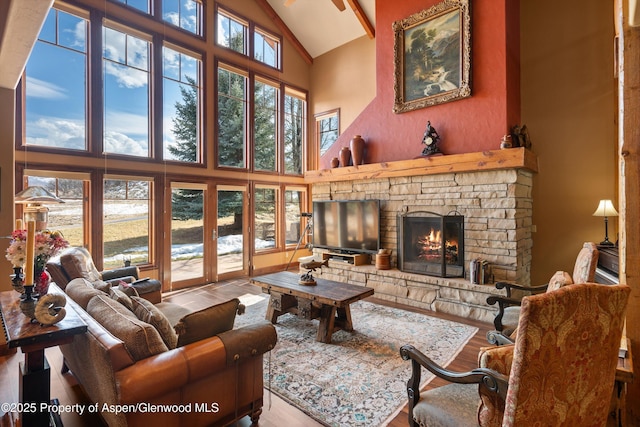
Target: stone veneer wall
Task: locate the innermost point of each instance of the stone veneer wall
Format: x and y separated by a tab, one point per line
497	206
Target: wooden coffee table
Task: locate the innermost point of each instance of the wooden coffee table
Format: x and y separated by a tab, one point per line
328	301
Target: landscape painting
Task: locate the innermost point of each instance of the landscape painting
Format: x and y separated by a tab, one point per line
432	56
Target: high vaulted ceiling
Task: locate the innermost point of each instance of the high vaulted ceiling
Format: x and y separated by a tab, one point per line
321	27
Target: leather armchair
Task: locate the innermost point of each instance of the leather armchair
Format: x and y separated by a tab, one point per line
571	333
506	319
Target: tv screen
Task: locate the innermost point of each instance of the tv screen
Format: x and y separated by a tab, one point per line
349	226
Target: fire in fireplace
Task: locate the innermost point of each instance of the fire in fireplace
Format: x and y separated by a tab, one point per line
431	244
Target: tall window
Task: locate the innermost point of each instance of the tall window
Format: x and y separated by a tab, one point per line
126	221
327	129
141	5
265	217
294	129
126	93
186	14
293	203
266	48
181	110
265	125
232	113
232	32
56	101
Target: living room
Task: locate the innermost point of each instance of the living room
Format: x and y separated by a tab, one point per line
563	82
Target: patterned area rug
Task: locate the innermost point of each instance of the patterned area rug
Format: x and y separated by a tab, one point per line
359	379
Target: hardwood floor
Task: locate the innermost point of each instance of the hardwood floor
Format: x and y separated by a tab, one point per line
276	412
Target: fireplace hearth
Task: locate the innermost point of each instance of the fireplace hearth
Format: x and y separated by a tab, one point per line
431	244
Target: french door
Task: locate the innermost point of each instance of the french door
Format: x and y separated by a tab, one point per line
187	240
231	236
208	238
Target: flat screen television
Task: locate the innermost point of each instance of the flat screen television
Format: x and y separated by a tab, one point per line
347	226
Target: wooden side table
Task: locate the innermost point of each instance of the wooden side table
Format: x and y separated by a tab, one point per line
35	380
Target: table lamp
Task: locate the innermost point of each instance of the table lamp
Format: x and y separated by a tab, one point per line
606	209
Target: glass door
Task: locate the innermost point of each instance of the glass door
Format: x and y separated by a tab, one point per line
231	228
188	250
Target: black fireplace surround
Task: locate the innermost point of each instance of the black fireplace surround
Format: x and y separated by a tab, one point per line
431	244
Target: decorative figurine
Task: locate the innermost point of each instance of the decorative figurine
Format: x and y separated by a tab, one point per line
307	278
430	140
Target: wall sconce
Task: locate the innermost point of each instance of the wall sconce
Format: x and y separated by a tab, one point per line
606	209
34	210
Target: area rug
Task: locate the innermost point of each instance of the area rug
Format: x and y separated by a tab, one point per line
359	379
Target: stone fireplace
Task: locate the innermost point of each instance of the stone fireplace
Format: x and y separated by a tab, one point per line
431	244
491	190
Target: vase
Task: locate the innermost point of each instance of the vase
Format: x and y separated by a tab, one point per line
335	162
345	156
17	280
357	149
41	281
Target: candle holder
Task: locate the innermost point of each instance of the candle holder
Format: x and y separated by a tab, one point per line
28	302
17	280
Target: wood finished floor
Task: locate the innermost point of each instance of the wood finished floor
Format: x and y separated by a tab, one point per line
276	412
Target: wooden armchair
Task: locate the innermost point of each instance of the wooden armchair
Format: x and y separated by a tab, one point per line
506	319
560	371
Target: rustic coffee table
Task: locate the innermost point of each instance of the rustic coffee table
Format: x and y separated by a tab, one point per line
328	301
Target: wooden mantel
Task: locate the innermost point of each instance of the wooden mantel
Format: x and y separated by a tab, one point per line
512	158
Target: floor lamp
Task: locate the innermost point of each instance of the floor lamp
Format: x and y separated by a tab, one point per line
606	209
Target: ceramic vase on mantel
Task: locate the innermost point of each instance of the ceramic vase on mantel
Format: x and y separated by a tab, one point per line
345	156
357	149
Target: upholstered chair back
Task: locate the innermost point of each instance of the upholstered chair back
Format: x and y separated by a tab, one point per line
565	356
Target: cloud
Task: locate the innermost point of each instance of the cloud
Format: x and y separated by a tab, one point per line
56	132
37	88
126	133
126	76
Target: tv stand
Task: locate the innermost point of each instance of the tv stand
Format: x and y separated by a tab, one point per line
353	259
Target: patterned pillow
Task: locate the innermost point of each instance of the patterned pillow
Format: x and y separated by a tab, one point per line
140	338
207	322
81	291
147	312
121	297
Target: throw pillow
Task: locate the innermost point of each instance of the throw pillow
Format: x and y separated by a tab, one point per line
128	289
207	322
140	338
102	286
147	312
81	291
121	297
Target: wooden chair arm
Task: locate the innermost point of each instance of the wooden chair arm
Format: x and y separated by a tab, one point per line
493	381
498	338
511	286
503	303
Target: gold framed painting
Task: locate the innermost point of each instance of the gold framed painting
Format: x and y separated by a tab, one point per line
432	56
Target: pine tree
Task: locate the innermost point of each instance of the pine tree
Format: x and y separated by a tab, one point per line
186	204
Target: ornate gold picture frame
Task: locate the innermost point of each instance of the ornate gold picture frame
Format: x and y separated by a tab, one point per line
432	56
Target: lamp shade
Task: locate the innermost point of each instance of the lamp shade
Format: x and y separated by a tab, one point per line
605	208
36	194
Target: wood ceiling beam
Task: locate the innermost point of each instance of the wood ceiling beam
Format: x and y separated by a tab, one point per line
285	30
364	21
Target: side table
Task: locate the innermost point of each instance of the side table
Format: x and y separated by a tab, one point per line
35	380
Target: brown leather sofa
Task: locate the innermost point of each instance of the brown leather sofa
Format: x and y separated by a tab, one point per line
213	381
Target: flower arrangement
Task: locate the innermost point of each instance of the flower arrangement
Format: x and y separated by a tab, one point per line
47	244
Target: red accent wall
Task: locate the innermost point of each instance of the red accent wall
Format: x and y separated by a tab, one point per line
467	125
